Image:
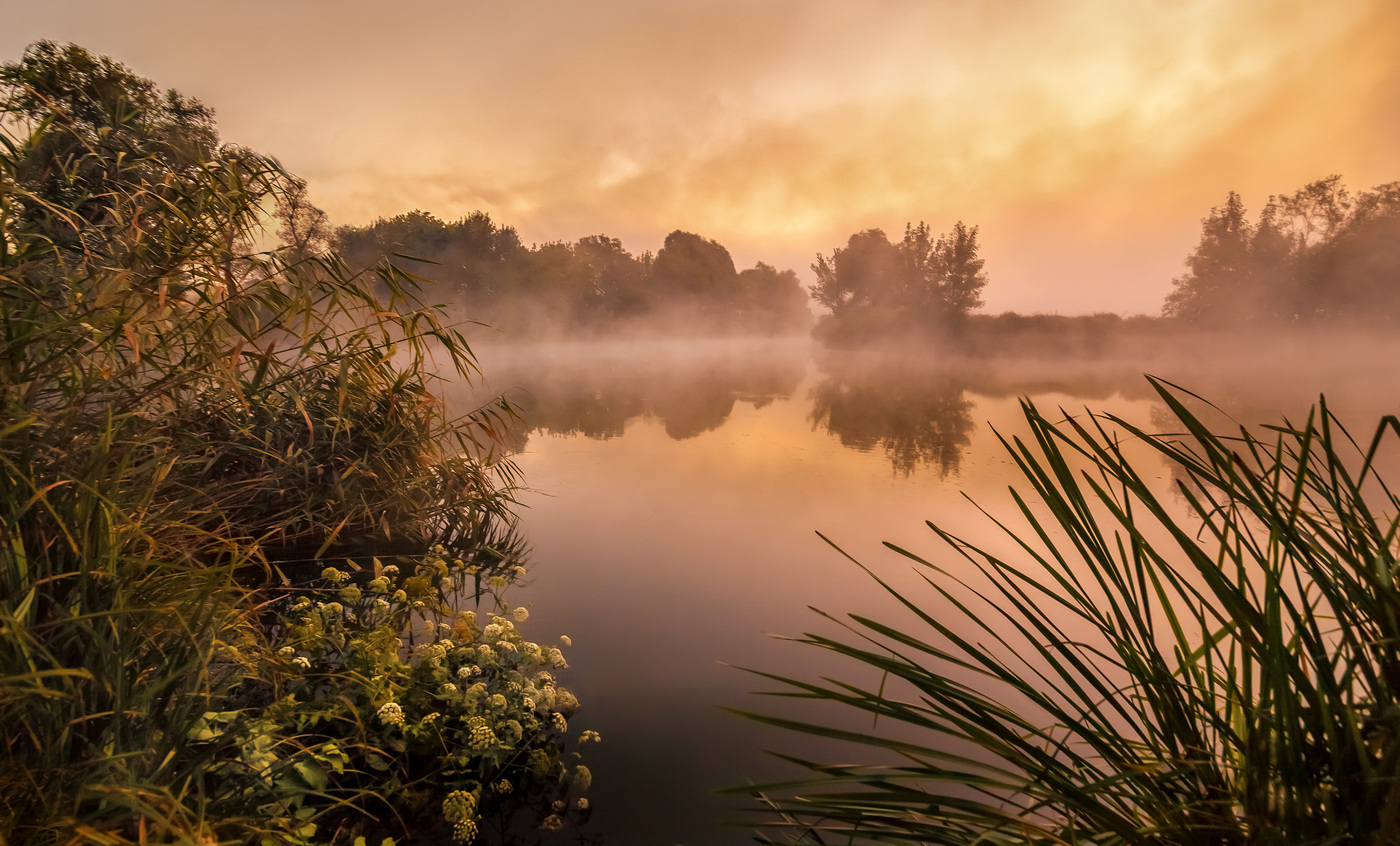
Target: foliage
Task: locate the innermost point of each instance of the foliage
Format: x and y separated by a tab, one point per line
1223	675
921	277
588	286
350	727
1319	254
179	415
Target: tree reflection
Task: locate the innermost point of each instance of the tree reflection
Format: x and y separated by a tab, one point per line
918	415
598	392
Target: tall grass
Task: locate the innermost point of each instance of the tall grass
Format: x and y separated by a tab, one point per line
1214	663
180	411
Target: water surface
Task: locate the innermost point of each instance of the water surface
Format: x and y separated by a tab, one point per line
676	495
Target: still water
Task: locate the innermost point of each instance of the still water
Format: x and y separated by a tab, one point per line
676	493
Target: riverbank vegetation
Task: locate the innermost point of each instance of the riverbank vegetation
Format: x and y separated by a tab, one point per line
588	288
1319	258
195	433
1210	660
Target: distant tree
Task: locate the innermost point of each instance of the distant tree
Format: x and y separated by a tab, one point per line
472	258
618	280
586	285
1318	254
1357	272
302	227
773	299
945	275
920	278
1216	287
868	272
700	270
1312	215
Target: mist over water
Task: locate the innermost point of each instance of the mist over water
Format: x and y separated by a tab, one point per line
676	489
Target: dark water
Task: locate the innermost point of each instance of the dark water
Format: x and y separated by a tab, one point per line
676	495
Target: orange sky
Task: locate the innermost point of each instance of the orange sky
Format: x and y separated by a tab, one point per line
1087	138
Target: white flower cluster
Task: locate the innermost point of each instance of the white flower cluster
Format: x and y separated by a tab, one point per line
391	714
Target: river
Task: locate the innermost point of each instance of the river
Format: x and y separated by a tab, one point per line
675	496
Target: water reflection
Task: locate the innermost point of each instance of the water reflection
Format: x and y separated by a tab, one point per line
919	415
596	390
675	492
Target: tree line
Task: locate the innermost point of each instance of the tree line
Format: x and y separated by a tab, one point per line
593	283
1318	255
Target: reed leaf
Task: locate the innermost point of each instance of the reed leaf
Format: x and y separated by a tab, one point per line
1215	663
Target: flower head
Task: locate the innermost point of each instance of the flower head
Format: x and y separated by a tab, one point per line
391	714
582	777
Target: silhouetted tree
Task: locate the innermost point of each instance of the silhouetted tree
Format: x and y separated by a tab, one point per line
773	299
586	286
617	278
1216	287
697	269
874	287
1315	255
945	275
471	257
1357	272
302	227
868	272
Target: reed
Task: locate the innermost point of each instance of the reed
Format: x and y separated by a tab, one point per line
1212	663
182	413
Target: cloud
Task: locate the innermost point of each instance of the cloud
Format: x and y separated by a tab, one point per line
781	126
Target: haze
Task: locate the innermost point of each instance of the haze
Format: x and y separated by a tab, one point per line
1087	138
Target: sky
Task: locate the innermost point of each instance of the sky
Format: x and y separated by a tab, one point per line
1085	138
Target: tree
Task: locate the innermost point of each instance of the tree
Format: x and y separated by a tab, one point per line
921	277
773	299
946	275
1316	254
1216	287
868	272
1356	273
618	281
302	227
699	270
1313	214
